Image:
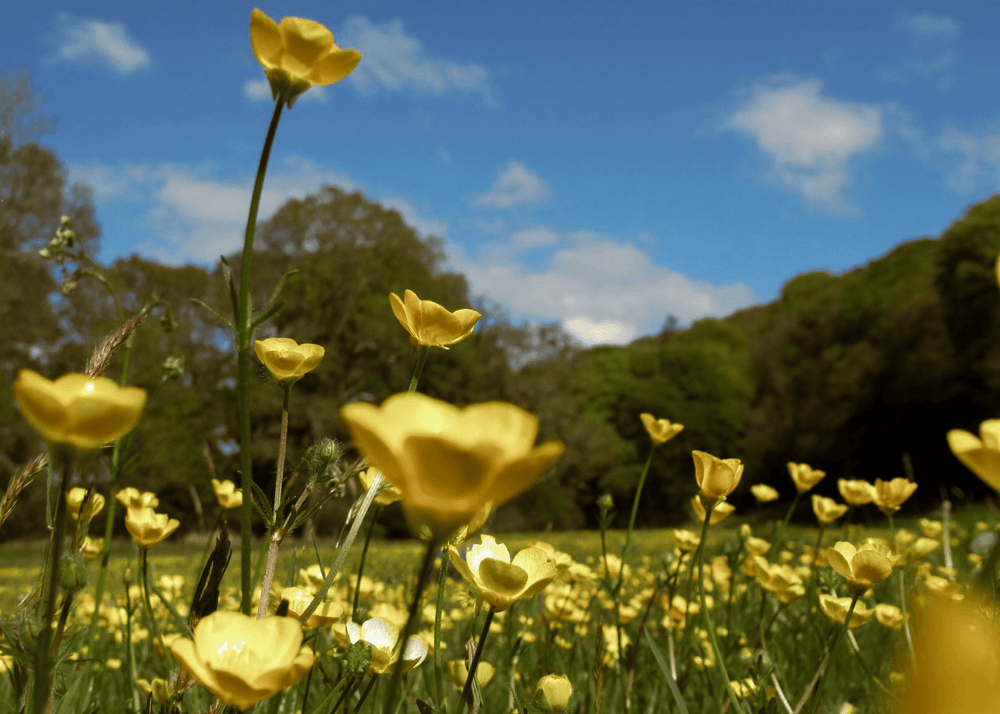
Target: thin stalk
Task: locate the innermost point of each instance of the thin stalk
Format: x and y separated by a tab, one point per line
788	517
474	664
864	665
143	564
243	338
438	652
361	565
419	368
277	532
364	695
817	680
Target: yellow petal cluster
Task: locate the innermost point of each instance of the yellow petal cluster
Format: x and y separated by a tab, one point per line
855	491
980	454
861	567
149	527
382	635
836	608
82	412
660	430
555	691
716	477
74	504
243	660
502	581
286	360
299	599
826	509
388	493
721	511
429	324
134	498
460	672
764	493
227	494
804	476
890	495
448	462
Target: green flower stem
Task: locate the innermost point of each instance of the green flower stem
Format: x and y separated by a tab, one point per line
144	566
419	368
788	517
906	619
411	621
438	652
364	695
243	339
817	680
864	665
361	565
43	651
474	664
635	503
276	533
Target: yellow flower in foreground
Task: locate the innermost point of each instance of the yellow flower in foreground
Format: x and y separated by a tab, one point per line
388	493
716	477
721	511
298	53
286	360
500	580
148	527
82	412
133	498
555	690
861	567
804	476
460	672
382	636
826	509
890	495
241	659
74	502
449	462
227	494
660	430
980	454
836	609
855	491
764	493
429	324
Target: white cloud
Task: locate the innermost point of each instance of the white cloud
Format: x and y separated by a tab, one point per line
425	225
926	26
809	138
104	43
977	155
395	61
936	69
602	291
259	90
514	185
534	237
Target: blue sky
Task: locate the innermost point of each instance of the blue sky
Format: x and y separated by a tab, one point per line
600	164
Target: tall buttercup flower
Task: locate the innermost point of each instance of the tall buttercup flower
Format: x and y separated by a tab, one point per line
826	509
890	495
241	659
764	493
716	477
382	635
856	491
448	463
286	360
227	494
501	581
980	454
861	567
804	476
134	498
297	54
74	504
660	430
429	324
148	527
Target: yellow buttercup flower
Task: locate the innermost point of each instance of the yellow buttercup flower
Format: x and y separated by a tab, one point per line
133	498
429	324
241	659
502	581
660	430
81	412
721	511
836	609
148	527
74	503
826	509
890	495
286	360
300	598
460	672
297	54
388	494
764	493
449	462
855	491
980	454
382	635
227	494
716	477
861	567
889	616
159	688
804	476
555	691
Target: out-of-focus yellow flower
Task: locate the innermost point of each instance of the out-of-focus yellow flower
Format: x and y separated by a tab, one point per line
716	477
686	540
298	53
855	491
890	495
774	577
919	549
388	494
889	616
764	493
804	476
286	360
241	659
148	527
74	502
449	462
459	672
554	690
227	494
980	454
382	636
931	529
473	527
957	667
721	511
429	324
300	598
502	581
861	567
826	509
660	430
81	412
92	547
159	688
133	498
836	609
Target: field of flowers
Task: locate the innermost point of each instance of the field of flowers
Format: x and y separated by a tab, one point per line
899	617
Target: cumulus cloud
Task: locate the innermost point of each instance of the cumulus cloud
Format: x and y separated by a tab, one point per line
809	138
515	184
103	43
602	291
395	61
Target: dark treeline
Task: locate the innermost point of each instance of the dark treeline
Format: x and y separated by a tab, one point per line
856	374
